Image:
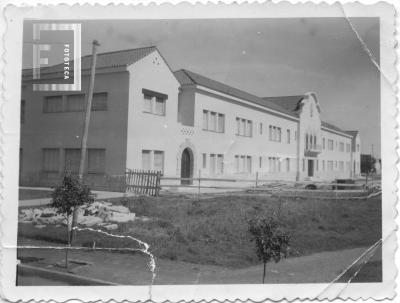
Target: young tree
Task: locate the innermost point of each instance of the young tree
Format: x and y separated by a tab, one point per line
67	196
272	243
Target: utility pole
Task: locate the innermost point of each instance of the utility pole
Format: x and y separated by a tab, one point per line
89	98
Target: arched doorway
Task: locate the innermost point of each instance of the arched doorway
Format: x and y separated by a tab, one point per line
187	166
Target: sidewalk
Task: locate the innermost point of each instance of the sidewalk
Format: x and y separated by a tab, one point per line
130	269
100	195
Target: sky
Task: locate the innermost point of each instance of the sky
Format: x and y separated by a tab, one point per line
265	57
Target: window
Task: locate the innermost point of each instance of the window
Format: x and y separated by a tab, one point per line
53	104
260	162
146	157
243	163
147	104
347	147
261	128
304	164
153	102
341	165
275	133
288	136
96	161
153	160
158	160
348	166
249	129
330	144
248	166
72	159
316	165
323	165
341	146
51	159
311	109
213	121
205	120
220	164
75	103
323	143
244	127
204	161
306	141
221	123
99	102
22	113
330	165
287	164
275	164
212	164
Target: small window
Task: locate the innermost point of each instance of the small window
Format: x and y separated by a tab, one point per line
51	159
96	161
205	120
75	103
248	164
158	160
261	128
53	104
260	162
213	121
204	161
220	164
212	164
99	101
146	159
287	164
288	136
147	104
72	159
221	123
304	164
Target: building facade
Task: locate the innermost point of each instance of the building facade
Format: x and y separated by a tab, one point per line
146	116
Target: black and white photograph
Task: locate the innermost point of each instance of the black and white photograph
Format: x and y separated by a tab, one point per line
216	151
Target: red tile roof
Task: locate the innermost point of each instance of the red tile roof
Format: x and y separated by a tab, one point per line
108	59
186	77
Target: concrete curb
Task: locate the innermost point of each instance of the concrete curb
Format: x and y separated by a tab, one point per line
71	279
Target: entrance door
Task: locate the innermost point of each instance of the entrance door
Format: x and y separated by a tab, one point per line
310	168
186	166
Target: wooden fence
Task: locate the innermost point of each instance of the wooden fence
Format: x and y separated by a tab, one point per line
145	182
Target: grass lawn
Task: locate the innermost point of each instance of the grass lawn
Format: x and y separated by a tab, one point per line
27	194
215	231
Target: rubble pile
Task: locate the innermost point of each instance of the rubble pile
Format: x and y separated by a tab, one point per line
98	213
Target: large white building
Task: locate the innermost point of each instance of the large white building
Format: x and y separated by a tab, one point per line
146	116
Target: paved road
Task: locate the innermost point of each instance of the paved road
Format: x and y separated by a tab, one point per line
132	269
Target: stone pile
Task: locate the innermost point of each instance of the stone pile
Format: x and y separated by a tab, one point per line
98	213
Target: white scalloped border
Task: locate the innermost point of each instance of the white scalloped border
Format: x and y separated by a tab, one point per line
158	5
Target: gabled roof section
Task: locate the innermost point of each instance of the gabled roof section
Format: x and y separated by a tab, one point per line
290	103
352	133
186	77
108	59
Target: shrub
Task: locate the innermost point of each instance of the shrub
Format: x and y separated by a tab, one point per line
271	242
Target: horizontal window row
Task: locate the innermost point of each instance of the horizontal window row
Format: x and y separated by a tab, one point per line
153	160
244	127
213	121
73	103
52	161
213	162
329	165
333	145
